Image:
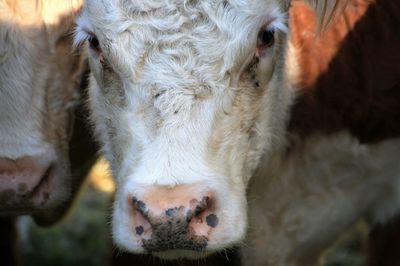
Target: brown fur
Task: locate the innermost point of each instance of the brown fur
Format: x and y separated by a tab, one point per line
355	83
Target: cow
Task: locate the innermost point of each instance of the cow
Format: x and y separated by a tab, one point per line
45	146
224	125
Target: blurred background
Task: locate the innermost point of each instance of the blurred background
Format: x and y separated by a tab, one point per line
82	237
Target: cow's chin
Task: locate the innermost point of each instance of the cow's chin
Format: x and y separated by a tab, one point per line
182	254
58	202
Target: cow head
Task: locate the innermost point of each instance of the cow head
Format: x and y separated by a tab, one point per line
186	97
39	77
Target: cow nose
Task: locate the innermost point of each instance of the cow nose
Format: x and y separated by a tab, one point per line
21	179
174	222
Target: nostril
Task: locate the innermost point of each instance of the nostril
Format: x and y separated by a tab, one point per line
205	201
143	227
139	205
204	218
197	207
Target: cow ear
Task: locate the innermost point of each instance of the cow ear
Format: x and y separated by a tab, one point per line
327	10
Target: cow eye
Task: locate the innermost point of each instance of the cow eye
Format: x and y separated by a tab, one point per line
266	38
94	43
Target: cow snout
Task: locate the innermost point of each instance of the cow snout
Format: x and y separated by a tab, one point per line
174	219
25	181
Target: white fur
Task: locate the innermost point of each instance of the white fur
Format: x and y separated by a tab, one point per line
175	103
176	129
21	108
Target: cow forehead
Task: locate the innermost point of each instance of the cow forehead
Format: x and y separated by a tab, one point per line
180	36
128	8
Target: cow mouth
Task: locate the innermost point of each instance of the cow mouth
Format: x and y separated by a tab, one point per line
182	254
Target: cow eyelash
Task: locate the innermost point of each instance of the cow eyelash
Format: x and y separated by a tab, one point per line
266	38
94	46
94	43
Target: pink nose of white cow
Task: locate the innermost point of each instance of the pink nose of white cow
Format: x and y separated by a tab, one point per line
24	181
174	218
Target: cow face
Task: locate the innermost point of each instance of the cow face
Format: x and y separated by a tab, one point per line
186	96
39	77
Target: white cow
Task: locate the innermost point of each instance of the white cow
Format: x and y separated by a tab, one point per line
190	101
40	76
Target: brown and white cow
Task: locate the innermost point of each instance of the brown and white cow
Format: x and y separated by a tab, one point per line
222	129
